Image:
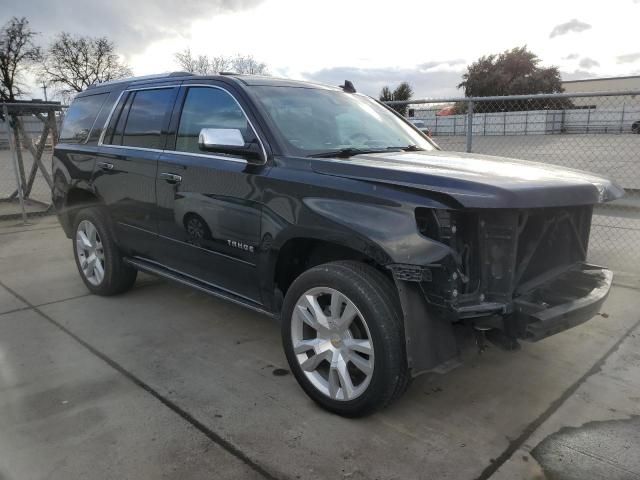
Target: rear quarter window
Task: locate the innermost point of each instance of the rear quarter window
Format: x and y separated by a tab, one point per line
81	117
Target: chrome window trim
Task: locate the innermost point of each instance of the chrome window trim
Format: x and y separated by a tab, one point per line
207	155
172	152
144	149
179	152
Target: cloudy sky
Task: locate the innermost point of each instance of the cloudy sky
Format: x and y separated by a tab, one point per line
370	42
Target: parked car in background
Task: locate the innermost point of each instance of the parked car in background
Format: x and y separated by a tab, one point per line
421	125
635	127
327	210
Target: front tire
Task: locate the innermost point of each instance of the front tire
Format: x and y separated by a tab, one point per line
343	336
98	259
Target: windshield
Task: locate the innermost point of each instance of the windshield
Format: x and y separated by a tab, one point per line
314	121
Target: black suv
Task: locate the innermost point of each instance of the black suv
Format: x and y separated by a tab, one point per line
325	209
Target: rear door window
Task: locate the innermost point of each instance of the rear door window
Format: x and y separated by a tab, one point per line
146	118
80	118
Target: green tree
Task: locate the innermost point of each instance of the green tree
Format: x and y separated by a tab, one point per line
512	72
402	92
386	95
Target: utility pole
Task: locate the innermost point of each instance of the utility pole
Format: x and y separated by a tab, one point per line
44	89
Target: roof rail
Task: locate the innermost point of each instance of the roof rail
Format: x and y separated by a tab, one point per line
143	77
181	74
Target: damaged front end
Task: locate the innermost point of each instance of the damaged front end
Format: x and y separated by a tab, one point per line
521	272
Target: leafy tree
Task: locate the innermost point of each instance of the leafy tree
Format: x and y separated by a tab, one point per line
402	92
512	72
211	65
73	63
386	95
17	53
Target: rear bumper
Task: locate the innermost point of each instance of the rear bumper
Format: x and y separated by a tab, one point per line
563	302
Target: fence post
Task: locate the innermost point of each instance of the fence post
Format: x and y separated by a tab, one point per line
14	154
622	118
469	126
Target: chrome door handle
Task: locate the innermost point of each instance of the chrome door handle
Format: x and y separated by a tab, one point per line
105	165
171	177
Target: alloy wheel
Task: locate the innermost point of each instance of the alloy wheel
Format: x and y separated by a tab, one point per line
332	343
90	252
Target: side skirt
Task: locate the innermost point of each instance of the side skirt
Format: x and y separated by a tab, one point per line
162	271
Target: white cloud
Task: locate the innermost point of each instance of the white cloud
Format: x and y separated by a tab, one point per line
629	57
574	25
304	39
588	63
431	83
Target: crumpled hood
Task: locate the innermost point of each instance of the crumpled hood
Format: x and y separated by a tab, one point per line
477	181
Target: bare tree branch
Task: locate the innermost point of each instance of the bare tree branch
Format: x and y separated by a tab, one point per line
17	53
205	65
73	63
249	65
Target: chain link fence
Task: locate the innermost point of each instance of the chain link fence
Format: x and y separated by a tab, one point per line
28	131
599	133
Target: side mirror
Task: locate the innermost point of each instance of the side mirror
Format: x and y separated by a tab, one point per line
230	141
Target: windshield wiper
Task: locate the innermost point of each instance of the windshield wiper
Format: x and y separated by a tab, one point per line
348	152
408	148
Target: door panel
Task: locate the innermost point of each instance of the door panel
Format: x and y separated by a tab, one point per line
125	179
209	208
126	165
209	222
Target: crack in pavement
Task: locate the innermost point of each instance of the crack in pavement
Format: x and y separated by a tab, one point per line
515	444
198	425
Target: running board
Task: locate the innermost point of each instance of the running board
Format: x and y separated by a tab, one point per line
161	271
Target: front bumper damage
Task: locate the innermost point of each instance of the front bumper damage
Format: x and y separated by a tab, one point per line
554	304
562	302
519	273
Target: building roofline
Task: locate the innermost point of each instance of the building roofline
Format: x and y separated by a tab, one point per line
601	78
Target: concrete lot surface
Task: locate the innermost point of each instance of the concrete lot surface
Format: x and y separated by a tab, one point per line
165	382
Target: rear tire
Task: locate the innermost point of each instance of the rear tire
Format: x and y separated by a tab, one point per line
349	367
99	261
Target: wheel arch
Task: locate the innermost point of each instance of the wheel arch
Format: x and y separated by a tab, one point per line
300	253
430	339
69	199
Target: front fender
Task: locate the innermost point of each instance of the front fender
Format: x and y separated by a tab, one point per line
392	229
